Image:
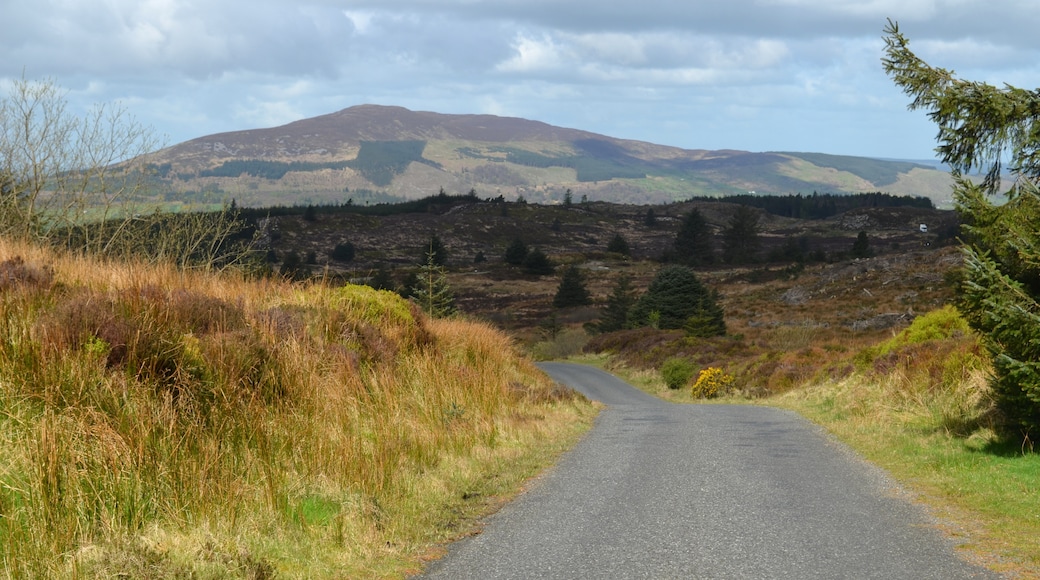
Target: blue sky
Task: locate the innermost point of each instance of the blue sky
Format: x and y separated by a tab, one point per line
755	75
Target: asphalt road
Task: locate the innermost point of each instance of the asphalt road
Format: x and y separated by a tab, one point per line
658	490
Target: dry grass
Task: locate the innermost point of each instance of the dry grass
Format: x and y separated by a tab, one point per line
163	423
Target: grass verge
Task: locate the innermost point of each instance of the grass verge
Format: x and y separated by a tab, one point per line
159	423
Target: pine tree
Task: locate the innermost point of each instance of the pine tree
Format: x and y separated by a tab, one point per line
572	290
861	247
430	290
677	299
538	263
436	251
981	126
693	246
516	252
618	245
740	238
619	304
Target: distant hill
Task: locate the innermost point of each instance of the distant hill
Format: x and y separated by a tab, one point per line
372	153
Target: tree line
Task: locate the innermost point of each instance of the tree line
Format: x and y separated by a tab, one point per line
820	205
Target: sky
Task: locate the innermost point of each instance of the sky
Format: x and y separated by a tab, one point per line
753	75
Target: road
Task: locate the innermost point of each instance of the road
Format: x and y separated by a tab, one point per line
658	490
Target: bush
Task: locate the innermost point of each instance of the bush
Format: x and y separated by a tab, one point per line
677	372
710	382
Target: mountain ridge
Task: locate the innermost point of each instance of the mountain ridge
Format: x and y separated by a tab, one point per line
382	153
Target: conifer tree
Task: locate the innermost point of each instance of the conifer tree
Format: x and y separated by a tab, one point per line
619	304
861	247
516	252
618	245
981	127
740	238
538	263
572	290
677	299
430	290
436	251
693	246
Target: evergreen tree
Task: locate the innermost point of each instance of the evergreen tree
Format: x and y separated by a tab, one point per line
693	246
618	245
861	247
538	263
436	251
572	290
619	303
568	199
677	299
740	238
981	126
516	253
650	219
343	252
430	290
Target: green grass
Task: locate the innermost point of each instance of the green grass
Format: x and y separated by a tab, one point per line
984	491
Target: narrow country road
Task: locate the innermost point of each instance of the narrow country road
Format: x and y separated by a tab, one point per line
658	490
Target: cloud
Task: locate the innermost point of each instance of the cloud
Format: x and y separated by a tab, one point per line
644	70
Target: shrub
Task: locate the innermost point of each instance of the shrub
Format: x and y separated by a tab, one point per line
677	372
710	382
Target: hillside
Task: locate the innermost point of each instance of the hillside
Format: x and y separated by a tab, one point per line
372	153
476	234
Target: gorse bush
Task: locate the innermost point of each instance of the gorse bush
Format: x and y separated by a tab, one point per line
711	382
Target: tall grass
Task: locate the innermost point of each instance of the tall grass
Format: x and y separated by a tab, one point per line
158	423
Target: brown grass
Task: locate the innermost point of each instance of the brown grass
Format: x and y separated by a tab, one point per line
166	423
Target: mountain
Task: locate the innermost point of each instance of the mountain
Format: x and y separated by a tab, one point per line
372	153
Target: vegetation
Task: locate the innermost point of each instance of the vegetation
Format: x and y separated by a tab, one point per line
431	290
378	161
572	290
880	173
820	205
711	382
618	245
693	245
615	314
537	262
516	253
677	299
677	372
861	247
979	126
740	242
160	423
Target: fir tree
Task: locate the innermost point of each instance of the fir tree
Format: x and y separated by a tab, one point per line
538	263
618	245
740	238
619	303
693	246
677	299
430	290
981	126
861	247
516	252
572	290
